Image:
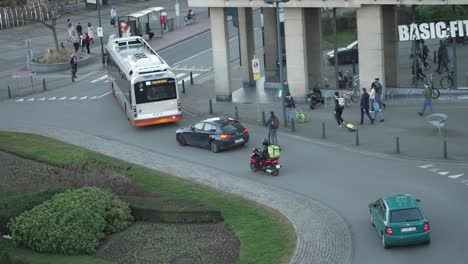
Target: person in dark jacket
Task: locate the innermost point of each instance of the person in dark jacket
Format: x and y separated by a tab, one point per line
273	126
338	110
149	31
79	29
74	65
365	106
290	106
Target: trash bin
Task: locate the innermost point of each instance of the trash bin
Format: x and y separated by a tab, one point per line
170	24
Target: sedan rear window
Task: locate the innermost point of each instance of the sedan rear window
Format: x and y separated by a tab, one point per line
232	126
405	215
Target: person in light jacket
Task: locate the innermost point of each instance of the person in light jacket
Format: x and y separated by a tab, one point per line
91	32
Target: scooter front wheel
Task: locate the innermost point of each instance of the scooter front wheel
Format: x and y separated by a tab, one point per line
253	167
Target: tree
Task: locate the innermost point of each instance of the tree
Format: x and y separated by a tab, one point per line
53	10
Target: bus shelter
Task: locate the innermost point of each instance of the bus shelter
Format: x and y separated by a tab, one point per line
134	24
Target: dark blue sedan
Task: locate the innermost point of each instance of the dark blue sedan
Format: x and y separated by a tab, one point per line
215	133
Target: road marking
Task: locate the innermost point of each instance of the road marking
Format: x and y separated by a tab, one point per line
443	172
434	170
188	78
72	98
426	166
455	176
180	75
104	95
63	98
93	97
42	99
31	99
20	100
99	79
106	81
52	98
84	97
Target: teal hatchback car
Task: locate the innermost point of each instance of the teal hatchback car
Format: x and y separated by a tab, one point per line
399	220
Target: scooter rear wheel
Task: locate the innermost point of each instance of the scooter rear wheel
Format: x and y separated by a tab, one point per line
275	172
253	167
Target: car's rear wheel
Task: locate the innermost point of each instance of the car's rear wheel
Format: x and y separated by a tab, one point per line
214	146
384	243
181	140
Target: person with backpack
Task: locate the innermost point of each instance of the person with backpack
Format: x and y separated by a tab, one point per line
273	125
365	106
290	106
339	106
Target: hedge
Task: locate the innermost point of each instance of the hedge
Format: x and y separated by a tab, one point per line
71	222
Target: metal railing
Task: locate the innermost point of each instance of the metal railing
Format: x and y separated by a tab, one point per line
22	15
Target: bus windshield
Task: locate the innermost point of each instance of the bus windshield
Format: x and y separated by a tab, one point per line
155	90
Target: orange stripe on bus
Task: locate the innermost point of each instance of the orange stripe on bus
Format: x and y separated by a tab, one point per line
158	120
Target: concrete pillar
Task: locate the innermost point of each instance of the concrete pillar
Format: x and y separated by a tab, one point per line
270	45
221	54
314	45
247	44
390	45
296	51
370	39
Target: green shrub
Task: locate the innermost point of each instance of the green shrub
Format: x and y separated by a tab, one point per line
12	206
71	222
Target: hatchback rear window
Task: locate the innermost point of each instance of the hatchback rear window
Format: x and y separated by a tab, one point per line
405	215
232	126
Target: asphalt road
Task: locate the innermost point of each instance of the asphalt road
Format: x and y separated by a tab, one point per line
345	180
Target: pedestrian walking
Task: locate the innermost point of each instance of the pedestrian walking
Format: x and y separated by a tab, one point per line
74	65
339	106
372	96
273	126
427	93
69	29
79	29
365	106
87	41
379	92
91	32
442	57
378	112
290	106
76	41
113	16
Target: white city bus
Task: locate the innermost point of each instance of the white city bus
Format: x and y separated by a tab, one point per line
142	82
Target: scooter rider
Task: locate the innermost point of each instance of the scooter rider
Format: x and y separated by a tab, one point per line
263	155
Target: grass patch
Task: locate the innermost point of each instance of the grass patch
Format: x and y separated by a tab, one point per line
343	39
266	236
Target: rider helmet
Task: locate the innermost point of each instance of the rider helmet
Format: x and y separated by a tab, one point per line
265	141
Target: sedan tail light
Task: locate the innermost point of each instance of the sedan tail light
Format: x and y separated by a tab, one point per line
426	226
388	231
245	130
224	136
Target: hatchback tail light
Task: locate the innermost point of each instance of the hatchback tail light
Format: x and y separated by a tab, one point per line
426	226
224	136
388	231
245	130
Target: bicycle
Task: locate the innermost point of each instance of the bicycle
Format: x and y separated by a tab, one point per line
435	91
447	81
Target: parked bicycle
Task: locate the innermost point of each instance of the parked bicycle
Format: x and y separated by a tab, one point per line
447	81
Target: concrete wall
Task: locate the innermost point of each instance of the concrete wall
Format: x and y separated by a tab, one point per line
270	45
247	44
390	43
313	27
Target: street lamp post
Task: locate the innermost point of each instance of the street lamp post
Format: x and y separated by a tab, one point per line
99	15
280	55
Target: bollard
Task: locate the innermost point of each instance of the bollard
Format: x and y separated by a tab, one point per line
211	107
356	138
445	149
183	86
9	91
435	57
191	78
293	127
263	118
324	135
44	85
397	144
236	112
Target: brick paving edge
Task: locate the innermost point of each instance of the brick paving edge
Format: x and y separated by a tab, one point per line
323	237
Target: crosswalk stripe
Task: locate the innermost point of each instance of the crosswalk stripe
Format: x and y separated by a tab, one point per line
52	98
426	166
84	97
455	176
93	97
20	100
443	172
42	99
31	99
63	98
72	98
99	79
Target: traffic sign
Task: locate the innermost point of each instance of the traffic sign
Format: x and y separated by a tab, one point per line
99	32
256	66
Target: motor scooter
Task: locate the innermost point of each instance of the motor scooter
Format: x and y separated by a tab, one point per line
267	165
315	97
